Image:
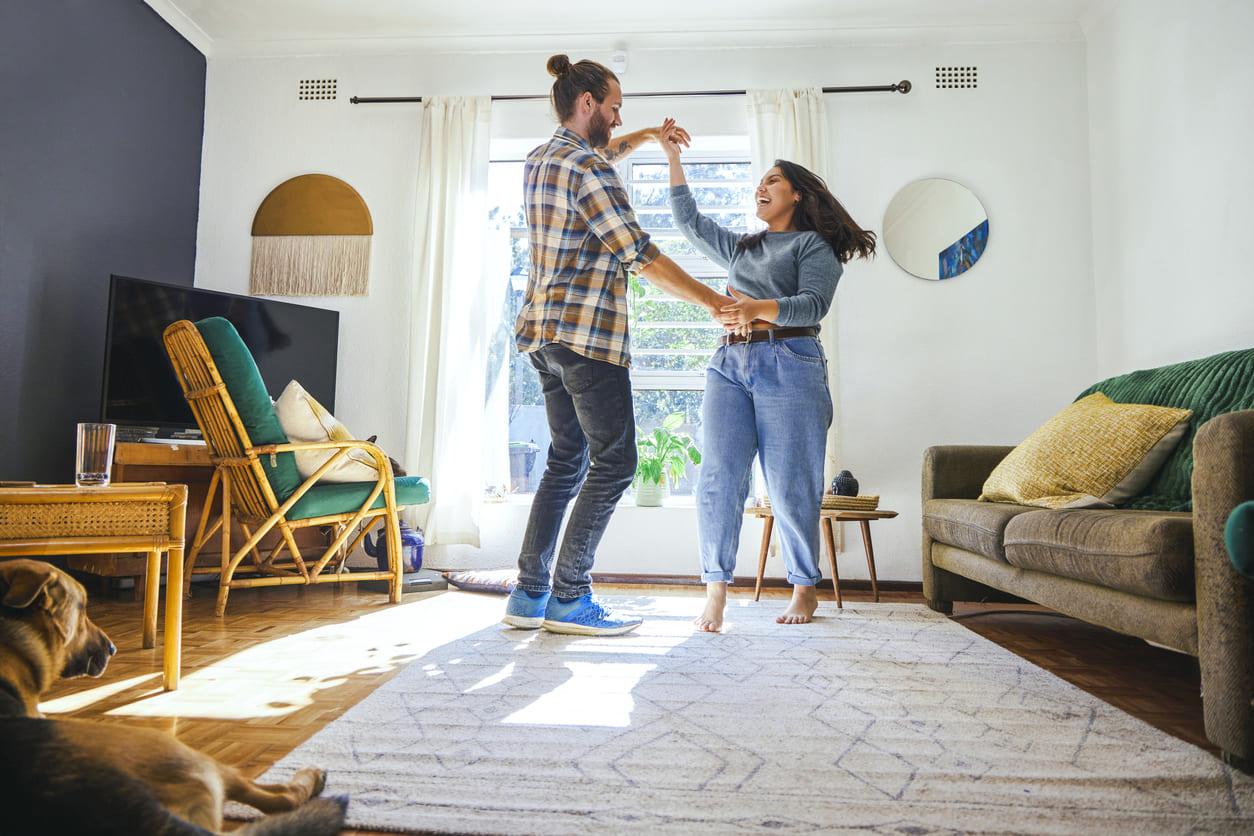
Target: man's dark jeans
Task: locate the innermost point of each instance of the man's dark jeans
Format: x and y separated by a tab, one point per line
592	459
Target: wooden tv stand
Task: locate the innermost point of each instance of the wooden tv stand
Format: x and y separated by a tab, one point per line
176	463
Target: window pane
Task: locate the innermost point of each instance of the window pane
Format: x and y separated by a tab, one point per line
672	340
515	404
675	247
658	219
709	198
693	172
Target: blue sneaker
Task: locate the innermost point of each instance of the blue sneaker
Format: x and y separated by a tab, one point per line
523	611
586	616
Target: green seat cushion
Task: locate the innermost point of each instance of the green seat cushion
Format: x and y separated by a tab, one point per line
248	392
1209	386
340	497
1239	537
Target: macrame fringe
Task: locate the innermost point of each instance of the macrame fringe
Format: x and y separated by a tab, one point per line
310	265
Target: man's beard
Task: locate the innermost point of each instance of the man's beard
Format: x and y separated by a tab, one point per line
598	130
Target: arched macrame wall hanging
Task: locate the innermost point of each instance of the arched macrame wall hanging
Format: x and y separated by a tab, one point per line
311	237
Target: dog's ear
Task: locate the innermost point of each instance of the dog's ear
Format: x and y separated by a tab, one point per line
21	585
38	585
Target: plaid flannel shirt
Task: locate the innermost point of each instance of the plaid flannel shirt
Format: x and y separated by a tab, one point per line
584	238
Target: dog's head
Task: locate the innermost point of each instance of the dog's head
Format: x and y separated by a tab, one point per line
55	605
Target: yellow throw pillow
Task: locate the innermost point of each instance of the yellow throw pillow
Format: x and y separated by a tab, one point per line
304	419
1088	455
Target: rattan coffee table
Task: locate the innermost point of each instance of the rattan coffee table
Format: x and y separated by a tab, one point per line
140	517
862	516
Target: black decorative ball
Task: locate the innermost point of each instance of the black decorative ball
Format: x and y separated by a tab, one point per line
844	484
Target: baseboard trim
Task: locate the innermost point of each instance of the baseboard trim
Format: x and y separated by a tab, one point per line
767	583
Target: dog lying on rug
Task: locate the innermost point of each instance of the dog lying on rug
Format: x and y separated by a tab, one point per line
65	776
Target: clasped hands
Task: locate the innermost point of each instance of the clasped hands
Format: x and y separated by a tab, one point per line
740	313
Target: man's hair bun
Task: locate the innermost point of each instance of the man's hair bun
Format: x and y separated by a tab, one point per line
559	65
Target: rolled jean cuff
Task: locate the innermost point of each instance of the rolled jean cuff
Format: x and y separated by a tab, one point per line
802	580
716	577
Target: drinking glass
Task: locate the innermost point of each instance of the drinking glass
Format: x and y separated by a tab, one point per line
95	455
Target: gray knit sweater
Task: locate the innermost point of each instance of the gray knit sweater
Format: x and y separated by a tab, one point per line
797	269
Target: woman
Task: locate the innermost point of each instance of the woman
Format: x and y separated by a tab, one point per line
766	385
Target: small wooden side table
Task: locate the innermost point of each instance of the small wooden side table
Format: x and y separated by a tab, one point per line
136	517
826	516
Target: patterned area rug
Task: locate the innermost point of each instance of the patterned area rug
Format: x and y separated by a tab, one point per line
875	719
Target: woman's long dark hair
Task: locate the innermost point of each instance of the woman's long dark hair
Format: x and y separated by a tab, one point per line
820	211
573	80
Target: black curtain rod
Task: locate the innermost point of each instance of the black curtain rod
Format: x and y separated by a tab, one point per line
900	87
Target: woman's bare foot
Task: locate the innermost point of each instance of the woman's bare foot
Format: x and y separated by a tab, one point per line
805	600
711	619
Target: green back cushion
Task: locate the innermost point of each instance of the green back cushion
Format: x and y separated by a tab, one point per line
1210	386
248	392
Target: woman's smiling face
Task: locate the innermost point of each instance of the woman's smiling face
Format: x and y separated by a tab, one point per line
776	200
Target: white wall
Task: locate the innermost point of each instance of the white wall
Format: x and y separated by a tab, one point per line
982	358
1171	117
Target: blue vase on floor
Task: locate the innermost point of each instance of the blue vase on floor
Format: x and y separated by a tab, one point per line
411	548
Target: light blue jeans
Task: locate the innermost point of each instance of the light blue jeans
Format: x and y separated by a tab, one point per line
770	399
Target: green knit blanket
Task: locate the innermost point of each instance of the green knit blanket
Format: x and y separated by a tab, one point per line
1210	386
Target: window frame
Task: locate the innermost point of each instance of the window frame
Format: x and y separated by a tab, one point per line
696	265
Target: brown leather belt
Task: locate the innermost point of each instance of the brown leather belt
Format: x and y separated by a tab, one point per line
764	334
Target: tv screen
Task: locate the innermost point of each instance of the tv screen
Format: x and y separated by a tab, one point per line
288	342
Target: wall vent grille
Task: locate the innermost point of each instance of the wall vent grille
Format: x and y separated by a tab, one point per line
948	78
317	89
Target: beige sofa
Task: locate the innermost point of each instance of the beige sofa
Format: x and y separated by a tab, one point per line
1159	571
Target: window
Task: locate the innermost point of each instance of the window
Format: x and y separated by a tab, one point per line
670	340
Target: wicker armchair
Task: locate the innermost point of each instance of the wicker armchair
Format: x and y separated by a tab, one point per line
256	485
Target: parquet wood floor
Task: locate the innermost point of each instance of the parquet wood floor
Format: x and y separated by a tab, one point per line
1159	686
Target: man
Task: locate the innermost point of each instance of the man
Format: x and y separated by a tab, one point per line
573	326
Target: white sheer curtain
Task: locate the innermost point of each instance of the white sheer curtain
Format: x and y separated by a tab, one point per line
449	317
791	125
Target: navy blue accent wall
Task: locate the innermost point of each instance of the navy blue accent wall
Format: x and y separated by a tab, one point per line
101	124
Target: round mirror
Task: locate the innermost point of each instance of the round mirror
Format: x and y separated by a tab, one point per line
935	229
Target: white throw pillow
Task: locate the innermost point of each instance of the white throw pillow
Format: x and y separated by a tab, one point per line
304	419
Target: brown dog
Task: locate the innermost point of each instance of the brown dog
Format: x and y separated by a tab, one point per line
65	776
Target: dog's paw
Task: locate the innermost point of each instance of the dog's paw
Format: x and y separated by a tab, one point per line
313	778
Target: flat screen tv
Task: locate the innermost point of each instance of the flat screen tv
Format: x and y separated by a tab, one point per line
288	341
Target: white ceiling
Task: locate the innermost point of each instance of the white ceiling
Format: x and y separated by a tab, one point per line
291	26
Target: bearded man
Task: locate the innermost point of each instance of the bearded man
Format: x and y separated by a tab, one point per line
584	239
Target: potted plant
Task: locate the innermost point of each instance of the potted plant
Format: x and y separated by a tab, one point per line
662	456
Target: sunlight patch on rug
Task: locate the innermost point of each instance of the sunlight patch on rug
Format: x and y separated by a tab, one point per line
275	678
874	719
595	694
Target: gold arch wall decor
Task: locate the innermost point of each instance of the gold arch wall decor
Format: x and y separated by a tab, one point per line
311	237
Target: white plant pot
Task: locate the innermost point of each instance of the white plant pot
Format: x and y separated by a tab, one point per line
651	494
